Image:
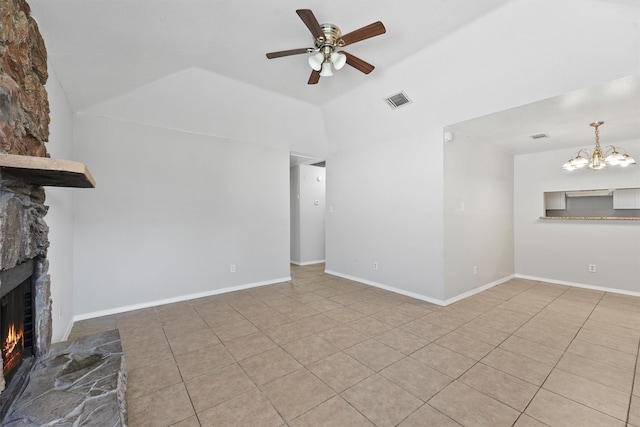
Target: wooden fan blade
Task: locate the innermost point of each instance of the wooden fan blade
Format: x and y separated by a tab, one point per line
282	53
314	78
364	33
311	22
358	63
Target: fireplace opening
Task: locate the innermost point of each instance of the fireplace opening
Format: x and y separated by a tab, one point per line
16	318
16	326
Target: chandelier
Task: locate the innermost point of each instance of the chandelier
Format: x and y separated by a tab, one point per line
599	159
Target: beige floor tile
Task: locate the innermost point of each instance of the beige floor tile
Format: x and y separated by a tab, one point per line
424	329
248	409
150	378
204	360
634	411
309	349
531	349
209	390
142	337
220	317
546	336
189	422
555	410
287	332
603	354
589	393
401	340
620	341
192	340
616	316
318	323
381	401
369	326
527	421
596	371
465	345
344	314
231	331
162	408
250	345
140	318
270	321
340	371
333	412
445	320
482	333
296	393
374	354
503	320
427	416
416	378
503	387
324	304
444	360
343	336
153	352
518	366
393	317
270	365
472	408
413	309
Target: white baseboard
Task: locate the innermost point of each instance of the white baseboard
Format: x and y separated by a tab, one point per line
180	298
436	301
320	261
579	285
387	288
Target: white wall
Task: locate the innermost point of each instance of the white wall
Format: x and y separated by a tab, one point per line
478	215
60	214
308	229
294	206
562	250
385	168
171	212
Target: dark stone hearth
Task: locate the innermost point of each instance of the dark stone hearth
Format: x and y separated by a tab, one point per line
81	382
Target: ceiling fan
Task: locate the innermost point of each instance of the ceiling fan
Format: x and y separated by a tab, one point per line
328	39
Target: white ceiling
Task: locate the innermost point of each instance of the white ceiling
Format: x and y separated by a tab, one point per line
104	49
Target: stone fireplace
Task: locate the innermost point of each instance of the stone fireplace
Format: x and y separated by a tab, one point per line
78	382
24	128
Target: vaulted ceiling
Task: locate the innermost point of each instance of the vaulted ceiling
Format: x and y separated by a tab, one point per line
103	51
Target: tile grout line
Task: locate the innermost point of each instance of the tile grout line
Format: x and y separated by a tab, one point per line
633	383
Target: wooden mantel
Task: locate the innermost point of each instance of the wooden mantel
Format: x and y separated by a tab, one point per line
47	172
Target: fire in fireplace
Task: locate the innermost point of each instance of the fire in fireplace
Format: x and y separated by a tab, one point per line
16	320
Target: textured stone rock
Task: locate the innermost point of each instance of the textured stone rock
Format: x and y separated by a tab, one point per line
23	231
80	382
24	105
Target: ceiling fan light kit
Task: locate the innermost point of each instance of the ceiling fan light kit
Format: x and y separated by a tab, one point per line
600	158
328	39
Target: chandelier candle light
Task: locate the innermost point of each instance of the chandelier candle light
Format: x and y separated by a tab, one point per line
599	159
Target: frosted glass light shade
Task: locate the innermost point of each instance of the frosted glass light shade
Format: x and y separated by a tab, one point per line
326	70
338	59
316	61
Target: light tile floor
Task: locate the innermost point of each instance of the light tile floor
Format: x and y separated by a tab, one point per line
322	350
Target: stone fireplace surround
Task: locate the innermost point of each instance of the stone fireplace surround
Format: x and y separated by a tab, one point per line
80	381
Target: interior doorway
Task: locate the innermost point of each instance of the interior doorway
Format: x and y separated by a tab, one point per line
308	209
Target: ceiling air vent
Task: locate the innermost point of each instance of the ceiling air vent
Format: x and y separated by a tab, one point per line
539	136
398	100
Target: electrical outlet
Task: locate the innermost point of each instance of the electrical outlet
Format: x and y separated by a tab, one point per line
592	268
232	268
475	269
375	265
